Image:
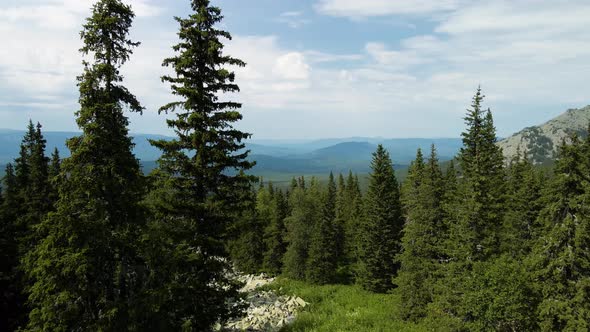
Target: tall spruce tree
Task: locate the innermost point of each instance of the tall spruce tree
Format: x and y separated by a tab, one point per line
381	226
561	256
474	218
11	294
36	191
306	211
422	238
274	235
323	256
201	187
351	213
86	269
523	189
53	173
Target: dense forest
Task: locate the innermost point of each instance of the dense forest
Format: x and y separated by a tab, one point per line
89	243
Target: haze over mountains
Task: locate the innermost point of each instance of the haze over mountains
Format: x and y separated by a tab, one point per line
341	154
275	156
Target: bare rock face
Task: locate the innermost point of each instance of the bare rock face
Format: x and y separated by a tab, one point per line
266	310
540	143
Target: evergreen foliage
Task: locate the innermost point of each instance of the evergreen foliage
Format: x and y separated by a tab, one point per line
86	271
560	258
381	226
323	256
200	188
274	235
422	236
306	211
11	296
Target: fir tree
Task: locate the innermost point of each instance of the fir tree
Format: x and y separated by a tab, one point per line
86	270
561	258
246	246
351	215
323	257
11	294
340	221
523	205
200	181
36	191
381	226
53	173
422	236
474	219
411	186
305	205
275	233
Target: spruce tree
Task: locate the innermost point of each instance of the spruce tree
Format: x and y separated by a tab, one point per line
274	235
246	245
340	220
323	256
381	226
422	238
53	173
411	186
561	258
86	270
482	187
523	188
474	219
305	205
36	191
351	213
200	184
11	293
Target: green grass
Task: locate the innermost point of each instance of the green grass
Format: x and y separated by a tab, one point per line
336	308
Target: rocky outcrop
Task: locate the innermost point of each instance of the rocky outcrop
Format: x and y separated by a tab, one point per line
540	143
266	310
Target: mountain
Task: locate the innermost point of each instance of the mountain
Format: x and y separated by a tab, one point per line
540	143
275	158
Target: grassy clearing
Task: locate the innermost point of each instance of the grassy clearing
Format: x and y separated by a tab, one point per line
343	308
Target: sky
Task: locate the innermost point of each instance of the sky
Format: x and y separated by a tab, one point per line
322	68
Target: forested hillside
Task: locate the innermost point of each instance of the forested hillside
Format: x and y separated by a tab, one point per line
91	242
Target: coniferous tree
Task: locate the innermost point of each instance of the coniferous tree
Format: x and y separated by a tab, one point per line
351	214
323	256
275	235
53	173
422	236
201	188
523	205
561	257
411	186
474	218
246	246
381	226
11	294
36	191
306	211
86	270
482	187
339	218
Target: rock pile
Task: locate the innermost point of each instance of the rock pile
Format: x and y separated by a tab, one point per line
267	311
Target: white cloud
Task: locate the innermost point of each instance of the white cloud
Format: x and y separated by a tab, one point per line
294	19
292	66
369	8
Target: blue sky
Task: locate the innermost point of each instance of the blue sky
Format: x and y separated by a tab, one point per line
324	68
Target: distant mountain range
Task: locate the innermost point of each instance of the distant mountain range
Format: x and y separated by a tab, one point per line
541	142
273	156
